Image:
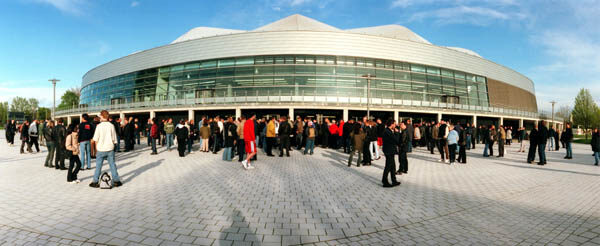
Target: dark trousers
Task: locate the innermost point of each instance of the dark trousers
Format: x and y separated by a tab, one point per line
432	145
389	170
73	162
531	153
241	147
542	153
51	145
366	153
452	150
284	145
269	143
501	148
443	147
473	140
216	145
491	148
59	161
299	141
462	154
403	162
23	144
153	141
33	141
129	143
181	144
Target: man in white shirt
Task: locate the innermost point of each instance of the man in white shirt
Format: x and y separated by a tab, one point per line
105	137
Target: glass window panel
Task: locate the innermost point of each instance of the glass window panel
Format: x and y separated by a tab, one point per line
160	70
263	70
325	81
380	63
226	62
192	66
350	61
403	85
389	64
418	77
244	61
326	70
417	87
300	59
269	60
193	75
471	78
310	60
483	97
283	69
450	91
244	71
301	80
369	62
320	60
360	62
402	75
283	80
459	75
345	71
305	69
208	64
279	60
385	94
448	82
259	60
417	68
289	60
384	74
480	79
346	82
330	60
360	71
434	89
434	80
448	73
263	81
223	72
382	84
306	90
243	81
224	82
434	98
433	70
175	68
460	83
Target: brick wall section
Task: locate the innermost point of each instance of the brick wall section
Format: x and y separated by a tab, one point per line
503	95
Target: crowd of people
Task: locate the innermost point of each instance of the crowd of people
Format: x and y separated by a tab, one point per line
366	139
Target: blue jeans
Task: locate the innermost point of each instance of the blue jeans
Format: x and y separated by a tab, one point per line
85	152
597	157
485	150
551	143
227	154
410	144
169	140
137	137
110	157
189	146
569	150
542	152
148	138
310	145
153	140
118	146
468	142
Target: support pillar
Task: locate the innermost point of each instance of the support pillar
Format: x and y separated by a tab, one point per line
474	123
238	113
152	114
521	123
439	117
122	116
396	115
501	123
191	115
68	120
345	115
291	113
537	123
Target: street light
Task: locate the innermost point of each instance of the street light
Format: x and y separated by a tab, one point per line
368	77
553	102
54	96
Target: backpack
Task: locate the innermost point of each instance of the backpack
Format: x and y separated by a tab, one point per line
105	181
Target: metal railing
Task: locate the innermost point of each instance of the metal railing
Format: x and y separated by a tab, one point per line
339	101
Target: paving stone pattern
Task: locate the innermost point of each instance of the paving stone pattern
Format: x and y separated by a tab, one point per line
202	200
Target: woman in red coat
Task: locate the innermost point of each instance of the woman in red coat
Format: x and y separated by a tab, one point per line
333	130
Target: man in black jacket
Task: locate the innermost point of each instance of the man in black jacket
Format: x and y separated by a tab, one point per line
403	149
542	140
390	148
284	136
346	130
533	138
411	134
568	139
60	135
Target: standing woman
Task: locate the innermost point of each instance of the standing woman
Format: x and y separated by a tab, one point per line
182	136
596	145
311	134
72	145
25	136
358	138
205	135
50	143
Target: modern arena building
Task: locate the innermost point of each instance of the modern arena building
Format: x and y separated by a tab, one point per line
299	66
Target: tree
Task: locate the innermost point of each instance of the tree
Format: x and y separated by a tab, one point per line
585	111
3	113
69	100
27	106
564	112
44	113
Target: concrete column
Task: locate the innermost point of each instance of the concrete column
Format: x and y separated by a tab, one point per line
291	113
191	115
439	117
521	123
238	113
345	115
122	116
474	123
501	121
68	120
536	122
396	116
152	114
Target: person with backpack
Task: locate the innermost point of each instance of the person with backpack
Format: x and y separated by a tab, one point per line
154	135
33	136
50	143
72	145
105	138
182	134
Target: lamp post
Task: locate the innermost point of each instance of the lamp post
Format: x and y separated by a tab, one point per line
54	96
368	77
553	102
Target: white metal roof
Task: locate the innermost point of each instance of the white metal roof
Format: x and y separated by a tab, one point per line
470	52
296	23
202	32
391	31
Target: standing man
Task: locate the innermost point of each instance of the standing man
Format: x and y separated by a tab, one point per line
60	136
411	134
270	136
153	136
230	138
136	129
501	141
469	135
169	129
105	138
148	132
50	143
542	140
390	148
443	132
434	141
241	144
299	132
521	133
403	150
284	136
33	136
551	138
250	142
181	132
533	138
493	138
86	132
485	138
568	137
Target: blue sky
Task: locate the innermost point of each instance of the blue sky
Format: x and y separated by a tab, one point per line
555	43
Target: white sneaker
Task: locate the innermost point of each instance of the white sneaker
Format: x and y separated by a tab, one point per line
245	164
250	166
440	160
446	161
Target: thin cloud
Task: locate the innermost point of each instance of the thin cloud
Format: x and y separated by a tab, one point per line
480	16
135	4
74	7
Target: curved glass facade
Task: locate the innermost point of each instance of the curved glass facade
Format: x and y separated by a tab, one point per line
290	75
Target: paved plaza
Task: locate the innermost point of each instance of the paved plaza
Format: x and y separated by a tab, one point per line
201	200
